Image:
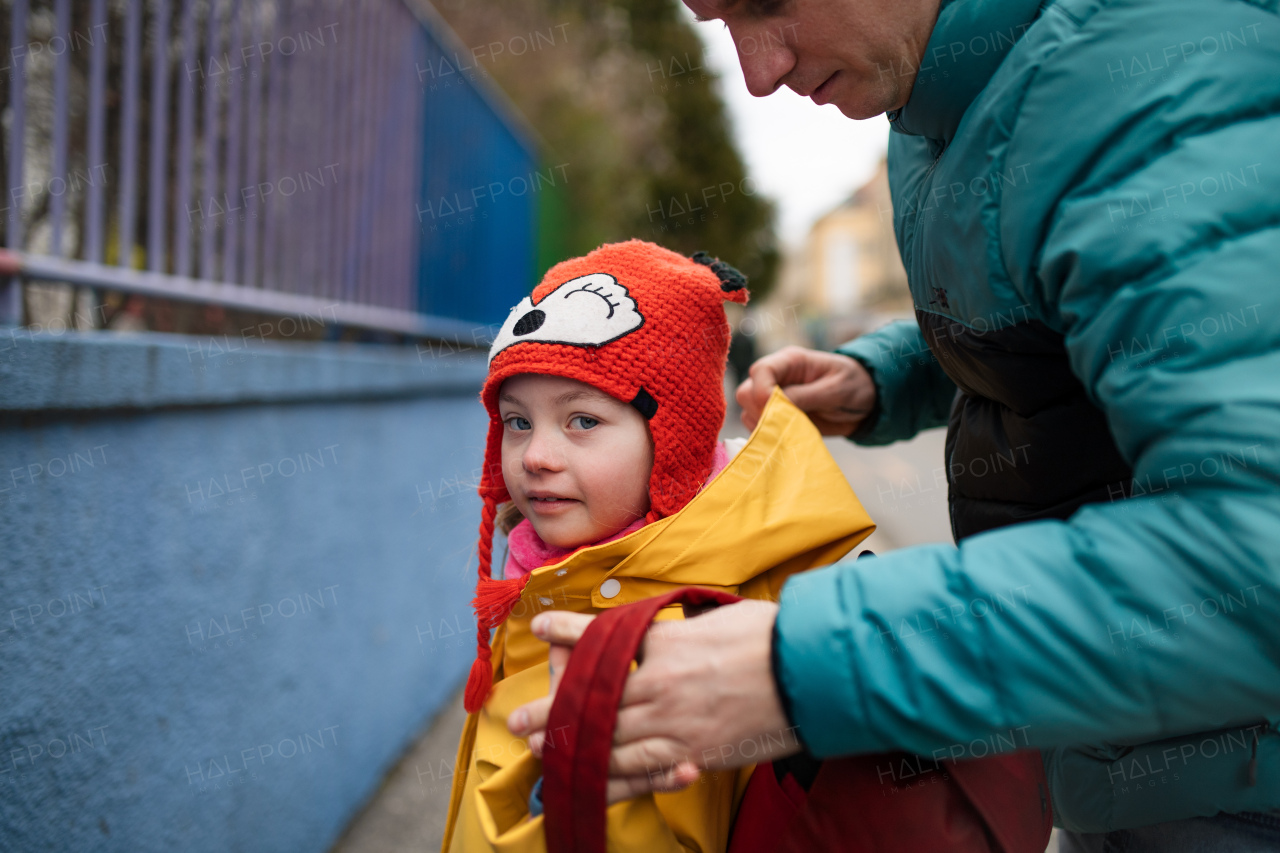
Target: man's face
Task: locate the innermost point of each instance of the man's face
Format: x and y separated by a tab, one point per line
860	55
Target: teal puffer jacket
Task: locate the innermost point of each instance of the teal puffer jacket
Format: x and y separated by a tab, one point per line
1095	185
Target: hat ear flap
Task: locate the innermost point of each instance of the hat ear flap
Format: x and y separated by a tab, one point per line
732	281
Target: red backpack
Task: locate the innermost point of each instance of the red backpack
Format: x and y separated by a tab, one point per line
988	805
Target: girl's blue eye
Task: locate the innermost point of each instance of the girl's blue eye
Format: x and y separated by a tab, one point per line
519	424
586	422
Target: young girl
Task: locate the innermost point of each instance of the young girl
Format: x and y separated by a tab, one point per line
605	396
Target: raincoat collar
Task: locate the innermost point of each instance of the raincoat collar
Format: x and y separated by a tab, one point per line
780	505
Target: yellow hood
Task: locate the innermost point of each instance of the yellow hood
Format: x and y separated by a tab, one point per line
780	506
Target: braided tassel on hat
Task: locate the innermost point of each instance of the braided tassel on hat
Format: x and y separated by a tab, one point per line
493	602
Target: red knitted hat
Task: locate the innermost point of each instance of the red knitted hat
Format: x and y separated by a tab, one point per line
641	323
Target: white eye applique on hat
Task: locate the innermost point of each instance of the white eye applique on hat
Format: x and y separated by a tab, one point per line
587	311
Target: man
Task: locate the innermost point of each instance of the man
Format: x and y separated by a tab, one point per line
1086	202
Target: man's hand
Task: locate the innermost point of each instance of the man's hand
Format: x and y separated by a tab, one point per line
703	697
834	390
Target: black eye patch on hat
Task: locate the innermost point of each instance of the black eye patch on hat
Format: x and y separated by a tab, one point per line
645	404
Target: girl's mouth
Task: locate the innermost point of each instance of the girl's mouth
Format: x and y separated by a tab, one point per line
546	505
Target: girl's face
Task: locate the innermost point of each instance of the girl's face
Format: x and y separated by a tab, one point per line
576	461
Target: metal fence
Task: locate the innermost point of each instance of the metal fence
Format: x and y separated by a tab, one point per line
288	156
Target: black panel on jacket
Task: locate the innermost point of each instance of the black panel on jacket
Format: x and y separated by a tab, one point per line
1024	441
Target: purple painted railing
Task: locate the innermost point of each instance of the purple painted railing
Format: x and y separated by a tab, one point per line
257	172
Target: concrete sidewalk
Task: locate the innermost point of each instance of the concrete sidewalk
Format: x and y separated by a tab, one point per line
408	812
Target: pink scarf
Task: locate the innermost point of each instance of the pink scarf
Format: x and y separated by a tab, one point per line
526	551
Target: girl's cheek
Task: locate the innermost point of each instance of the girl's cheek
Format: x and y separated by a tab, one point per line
510	463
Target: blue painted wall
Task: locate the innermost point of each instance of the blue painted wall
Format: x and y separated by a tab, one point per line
222	578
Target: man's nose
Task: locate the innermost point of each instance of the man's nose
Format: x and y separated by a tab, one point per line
766	55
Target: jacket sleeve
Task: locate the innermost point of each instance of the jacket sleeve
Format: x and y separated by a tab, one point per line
912	391
1136	619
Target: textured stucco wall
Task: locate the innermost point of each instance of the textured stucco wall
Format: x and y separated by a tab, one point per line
160	631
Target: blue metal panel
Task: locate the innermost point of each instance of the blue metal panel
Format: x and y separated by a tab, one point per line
220	626
477	211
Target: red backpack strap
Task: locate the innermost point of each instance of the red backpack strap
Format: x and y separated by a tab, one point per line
575	763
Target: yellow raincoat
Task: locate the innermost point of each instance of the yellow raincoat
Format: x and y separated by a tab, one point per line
779	507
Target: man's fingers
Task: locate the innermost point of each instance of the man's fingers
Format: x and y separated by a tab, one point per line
768	372
624	789
833	389
753	393
558	660
672	779
646	757
829	399
788	366
684	775
745	395
560	627
530	718
543	739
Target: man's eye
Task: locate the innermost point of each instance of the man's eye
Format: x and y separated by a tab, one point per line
519	424
768	8
584	422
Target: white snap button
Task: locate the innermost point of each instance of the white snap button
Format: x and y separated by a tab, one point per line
561	572
610	588
544	601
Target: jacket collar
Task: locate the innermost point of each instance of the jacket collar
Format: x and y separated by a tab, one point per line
782	494
969	41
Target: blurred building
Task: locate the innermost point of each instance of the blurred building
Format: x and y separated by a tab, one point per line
847	277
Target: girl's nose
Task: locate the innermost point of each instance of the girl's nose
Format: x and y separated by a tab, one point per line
543	452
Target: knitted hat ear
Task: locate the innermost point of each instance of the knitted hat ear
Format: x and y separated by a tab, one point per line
732	282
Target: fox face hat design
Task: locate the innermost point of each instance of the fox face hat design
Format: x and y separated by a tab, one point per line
590	310
643	324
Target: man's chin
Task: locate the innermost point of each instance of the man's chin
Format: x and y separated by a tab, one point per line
859	112
859	109
871	100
